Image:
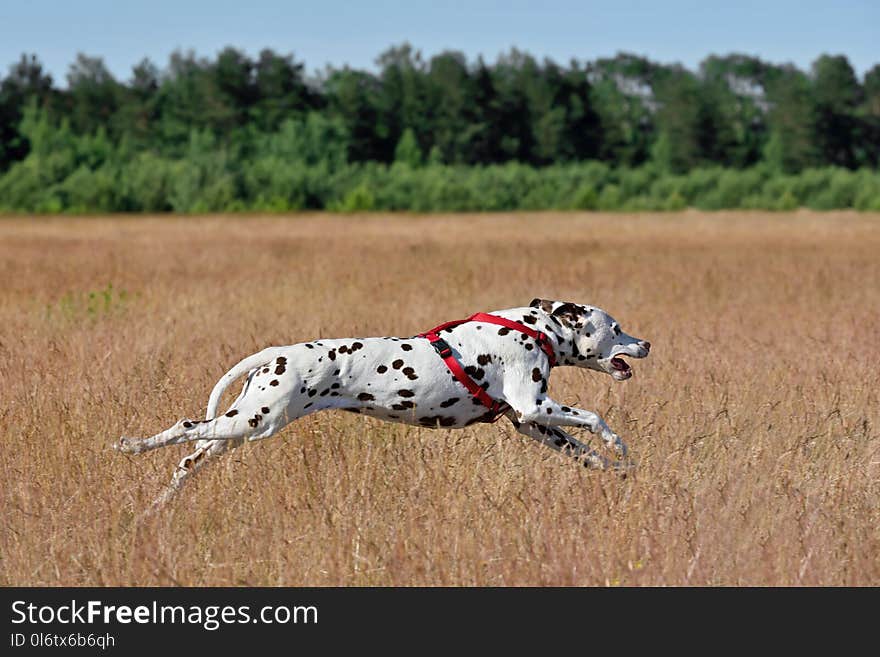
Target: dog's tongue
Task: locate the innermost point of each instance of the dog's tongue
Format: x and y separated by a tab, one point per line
619	364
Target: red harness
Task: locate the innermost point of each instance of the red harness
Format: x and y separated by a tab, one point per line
433	336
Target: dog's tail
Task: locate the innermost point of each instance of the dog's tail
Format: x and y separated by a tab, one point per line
244	366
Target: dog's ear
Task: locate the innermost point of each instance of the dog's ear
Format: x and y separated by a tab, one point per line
569	312
544	304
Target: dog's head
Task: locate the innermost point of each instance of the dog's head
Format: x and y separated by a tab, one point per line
595	339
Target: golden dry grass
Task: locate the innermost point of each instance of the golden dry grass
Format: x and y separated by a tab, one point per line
755	420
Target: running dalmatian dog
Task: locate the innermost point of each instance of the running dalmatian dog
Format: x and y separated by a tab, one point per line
404	380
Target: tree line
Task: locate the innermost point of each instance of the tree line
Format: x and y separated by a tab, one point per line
236	132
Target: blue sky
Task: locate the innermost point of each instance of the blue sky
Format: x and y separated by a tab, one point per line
341	32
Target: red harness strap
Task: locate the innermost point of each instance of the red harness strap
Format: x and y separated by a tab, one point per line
445	351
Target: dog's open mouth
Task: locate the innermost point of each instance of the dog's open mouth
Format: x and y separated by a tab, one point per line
620	365
620	369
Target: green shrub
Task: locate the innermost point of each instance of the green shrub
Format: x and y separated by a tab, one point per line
586	198
360	199
302	166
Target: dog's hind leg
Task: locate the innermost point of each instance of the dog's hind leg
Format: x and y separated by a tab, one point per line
206	450
234	425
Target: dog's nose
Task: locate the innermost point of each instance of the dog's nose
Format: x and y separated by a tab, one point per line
646	345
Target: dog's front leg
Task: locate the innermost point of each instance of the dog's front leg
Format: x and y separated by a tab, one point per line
542	410
553	413
527	396
556	439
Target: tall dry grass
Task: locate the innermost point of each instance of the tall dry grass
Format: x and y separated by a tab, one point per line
755	420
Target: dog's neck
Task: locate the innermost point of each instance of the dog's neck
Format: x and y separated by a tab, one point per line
560	336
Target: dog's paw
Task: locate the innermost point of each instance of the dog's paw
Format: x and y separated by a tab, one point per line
126	445
597	461
623	468
614	442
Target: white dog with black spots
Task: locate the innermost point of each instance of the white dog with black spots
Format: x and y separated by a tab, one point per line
404	380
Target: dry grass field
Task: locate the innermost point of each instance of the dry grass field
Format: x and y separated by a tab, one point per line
755	422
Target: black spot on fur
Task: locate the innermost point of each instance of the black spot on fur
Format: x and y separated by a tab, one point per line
273	382
474	373
529	346
397	364
187	425
381	369
355	346
449	402
265	409
334	386
565	409
483	359
232	413
310	346
503	330
280	369
326	392
488	416
307	405
343	349
434	420
528	319
365	396
406	393
313	392
332	354
402	406
536	375
406	347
